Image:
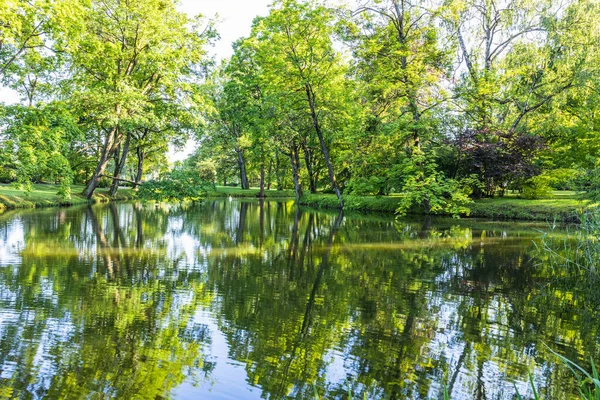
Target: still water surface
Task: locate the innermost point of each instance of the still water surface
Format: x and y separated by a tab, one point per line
243	300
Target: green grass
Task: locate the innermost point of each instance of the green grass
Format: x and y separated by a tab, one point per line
46	196
226	191
563	207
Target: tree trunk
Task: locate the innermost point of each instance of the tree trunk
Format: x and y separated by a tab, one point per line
311	102
261	193
111	144
293	155
308	159
242	168
269	175
120	164
140	167
278	171
116	160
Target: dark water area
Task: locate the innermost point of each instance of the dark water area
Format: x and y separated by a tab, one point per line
249	300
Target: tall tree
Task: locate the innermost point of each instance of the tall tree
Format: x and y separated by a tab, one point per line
124	56
303	69
402	70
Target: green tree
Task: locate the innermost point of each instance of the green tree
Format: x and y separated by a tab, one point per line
303	70
35	145
125	56
402	70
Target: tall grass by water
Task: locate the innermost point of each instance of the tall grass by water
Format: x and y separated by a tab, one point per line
576	252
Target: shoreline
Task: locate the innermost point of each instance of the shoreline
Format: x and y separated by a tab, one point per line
564	210
497	209
44	196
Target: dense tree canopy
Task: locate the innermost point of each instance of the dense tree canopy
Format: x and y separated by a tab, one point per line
434	101
124	72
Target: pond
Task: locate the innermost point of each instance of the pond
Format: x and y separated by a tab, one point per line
249	300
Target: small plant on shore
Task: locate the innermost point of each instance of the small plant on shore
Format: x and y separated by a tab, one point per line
434	194
178	185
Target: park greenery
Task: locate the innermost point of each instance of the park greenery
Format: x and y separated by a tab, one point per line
452	107
438	103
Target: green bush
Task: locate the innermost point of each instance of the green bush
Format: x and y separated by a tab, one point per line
537	187
434	194
7	175
105	182
563	178
207	170
178	185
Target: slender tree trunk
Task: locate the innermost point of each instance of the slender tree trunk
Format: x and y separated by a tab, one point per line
120	164
293	155
317	126
140	167
111	144
308	159
242	168
278	171
116	159
269	175
261	193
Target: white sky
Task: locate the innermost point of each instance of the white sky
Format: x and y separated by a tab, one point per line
235	20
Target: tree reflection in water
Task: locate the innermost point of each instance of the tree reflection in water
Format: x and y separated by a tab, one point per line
144	301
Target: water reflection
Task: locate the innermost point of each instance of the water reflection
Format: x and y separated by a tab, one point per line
264	299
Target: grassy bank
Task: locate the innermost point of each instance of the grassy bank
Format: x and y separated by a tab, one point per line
226	191
562	207
387	204
557	209
46	196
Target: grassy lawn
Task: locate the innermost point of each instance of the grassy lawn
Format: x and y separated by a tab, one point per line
560	208
46	196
